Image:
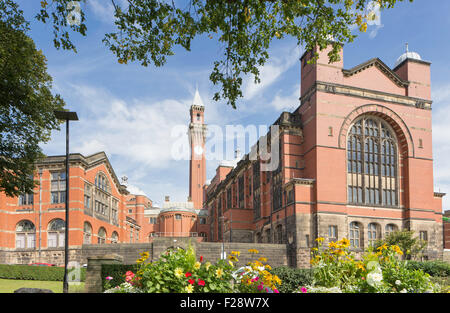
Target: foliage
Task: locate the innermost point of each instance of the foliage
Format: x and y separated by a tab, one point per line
117	272
179	271
41	273
435	268
26	103
148	31
292	278
410	246
337	270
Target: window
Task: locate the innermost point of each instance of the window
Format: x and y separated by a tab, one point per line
279	234
87	233
114	237
332	233
355	235
102	182
26	199
114	211
202	220
372	163
58	187
178	216
56	233
25	235
101	235
87	196
389	229
152	220
423	235
372	233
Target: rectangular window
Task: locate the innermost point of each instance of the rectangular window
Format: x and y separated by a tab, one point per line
58	187
332	232
26	199
423	235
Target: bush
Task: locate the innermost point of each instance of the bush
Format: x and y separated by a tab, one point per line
434	268
117	272
292	278
41	273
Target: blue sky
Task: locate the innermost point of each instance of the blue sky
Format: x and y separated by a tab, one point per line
128	111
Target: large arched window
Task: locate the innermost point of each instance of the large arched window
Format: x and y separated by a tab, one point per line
372	163
87	233
390	228
373	233
25	235
114	237
56	233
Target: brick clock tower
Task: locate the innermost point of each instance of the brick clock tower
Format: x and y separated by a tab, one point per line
197	166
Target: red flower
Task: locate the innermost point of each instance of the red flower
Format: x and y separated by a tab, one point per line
201	258
201	282
191	281
188	274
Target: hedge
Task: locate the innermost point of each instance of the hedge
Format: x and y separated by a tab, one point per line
435	268
117	272
292	278
41	273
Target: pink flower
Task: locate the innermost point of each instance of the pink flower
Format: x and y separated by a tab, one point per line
276	291
109	278
304	290
201	282
191	281
260	287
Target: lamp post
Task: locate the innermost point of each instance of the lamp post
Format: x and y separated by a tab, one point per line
67	116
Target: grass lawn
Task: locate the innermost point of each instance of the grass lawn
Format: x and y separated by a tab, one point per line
9	285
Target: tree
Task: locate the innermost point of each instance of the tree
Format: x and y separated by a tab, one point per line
26	103
410	246
148	30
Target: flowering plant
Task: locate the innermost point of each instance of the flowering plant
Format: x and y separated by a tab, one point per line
255	277
337	270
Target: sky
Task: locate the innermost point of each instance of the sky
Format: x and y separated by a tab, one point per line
130	111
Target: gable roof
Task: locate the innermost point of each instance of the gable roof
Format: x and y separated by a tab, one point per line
381	66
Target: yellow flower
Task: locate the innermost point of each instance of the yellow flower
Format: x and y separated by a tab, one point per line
231	263
189	288
197	265
262	259
253	251
141	260
179	272
237	253
219	272
268	267
207	265
144	255
233	258
344	242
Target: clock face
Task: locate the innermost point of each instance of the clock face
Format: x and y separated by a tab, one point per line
198	149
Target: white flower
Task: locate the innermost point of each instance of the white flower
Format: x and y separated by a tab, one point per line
403	291
374	278
397	282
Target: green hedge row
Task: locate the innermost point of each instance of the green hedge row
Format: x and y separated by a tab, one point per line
117	272
435	268
41	273
292	278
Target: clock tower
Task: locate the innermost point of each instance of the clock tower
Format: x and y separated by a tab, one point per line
197	166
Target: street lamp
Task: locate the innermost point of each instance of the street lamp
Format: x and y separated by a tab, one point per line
67	116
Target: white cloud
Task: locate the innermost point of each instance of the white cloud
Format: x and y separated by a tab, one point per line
280	62
286	102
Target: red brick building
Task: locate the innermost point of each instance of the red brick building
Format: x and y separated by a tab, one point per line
355	161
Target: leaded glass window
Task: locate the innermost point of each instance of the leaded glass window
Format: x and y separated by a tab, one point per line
372	163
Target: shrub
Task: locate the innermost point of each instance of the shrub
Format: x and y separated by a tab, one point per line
41	273
292	278
435	268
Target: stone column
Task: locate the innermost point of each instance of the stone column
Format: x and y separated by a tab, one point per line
93	283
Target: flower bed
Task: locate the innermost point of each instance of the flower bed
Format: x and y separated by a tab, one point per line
179	271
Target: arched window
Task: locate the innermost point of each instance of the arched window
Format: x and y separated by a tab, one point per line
102	182
373	233
372	163
389	229
101	235
114	237
355	235
87	233
25	235
56	233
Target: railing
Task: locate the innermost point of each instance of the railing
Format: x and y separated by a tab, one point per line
174	234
